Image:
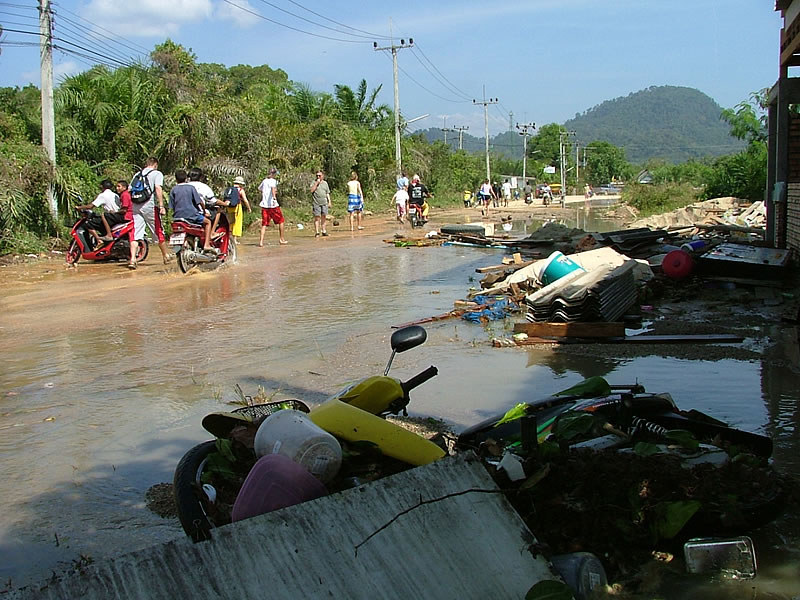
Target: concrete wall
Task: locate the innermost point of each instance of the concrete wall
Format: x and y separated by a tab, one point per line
372	542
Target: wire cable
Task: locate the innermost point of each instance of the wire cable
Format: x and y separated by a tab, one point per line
372	35
260	16
436	77
458	91
99	37
283	10
141	48
67	31
407	74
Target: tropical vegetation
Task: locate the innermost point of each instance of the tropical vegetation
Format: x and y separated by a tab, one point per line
242	120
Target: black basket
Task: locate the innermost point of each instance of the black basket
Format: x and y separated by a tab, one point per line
258	412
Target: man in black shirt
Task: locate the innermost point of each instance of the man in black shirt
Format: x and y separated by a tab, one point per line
417	193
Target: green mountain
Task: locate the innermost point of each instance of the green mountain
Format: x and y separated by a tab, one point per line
667	122
673	123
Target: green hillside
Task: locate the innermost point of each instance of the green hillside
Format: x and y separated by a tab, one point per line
668	122
673	123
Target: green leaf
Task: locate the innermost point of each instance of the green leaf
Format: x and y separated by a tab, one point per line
549	589
645	449
683	438
225	448
593	387
572	424
519	411
670	517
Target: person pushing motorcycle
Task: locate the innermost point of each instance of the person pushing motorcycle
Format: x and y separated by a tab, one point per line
418	195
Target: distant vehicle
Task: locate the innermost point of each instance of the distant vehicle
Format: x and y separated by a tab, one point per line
609	189
555	189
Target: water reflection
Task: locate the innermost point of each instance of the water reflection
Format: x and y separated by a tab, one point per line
108	375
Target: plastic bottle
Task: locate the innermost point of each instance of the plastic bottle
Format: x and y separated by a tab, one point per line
693	246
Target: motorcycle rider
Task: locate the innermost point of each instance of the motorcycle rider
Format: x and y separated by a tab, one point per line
417	195
109	217
211	204
187	205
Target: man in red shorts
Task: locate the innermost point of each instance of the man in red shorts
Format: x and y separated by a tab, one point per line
270	209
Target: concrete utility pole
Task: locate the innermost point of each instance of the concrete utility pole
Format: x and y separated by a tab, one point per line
48	114
394	49
445	129
486	104
461	131
524	133
562	153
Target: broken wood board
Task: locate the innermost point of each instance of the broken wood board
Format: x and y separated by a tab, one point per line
510	267
584	330
711	338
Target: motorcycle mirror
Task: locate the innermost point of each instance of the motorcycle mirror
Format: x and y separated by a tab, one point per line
405	339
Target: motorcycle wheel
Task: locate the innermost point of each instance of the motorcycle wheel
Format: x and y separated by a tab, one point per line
232	252
142	250
187	489
73	253
183	263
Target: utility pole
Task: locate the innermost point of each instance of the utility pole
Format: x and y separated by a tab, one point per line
48	114
510	120
461	131
394	48
445	129
524	133
562	153
486	104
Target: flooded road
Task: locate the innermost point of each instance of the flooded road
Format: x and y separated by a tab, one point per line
107	374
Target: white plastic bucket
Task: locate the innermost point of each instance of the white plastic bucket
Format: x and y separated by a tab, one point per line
293	434
556	267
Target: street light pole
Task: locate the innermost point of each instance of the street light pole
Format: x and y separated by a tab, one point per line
394	48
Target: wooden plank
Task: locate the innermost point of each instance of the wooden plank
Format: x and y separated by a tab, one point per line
711	338
510	267
596	329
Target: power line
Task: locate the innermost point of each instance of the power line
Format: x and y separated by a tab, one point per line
283	10
116	37
453	87
437	79
67	28
371	35
274	22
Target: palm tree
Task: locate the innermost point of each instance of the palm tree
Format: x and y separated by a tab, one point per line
359	107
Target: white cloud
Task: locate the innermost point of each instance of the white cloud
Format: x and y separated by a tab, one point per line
239	12
148	18
64	69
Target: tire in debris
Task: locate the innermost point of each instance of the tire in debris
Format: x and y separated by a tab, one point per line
465	228
187	489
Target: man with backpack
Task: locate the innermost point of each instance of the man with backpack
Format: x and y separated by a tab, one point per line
147	196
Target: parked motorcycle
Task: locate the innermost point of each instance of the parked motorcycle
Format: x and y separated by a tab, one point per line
187	241
206	483
85	246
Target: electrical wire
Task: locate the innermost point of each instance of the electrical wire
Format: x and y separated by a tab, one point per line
133	45
458	91
436	77
373	35
283	10
407	74
66	29
260	16
100	38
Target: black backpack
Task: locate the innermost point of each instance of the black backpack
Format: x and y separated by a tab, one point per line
140	188
231	195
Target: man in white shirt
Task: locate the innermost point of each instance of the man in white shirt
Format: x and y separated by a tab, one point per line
109	216
270	209
149	213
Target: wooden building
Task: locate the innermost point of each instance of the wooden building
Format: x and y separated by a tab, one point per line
783	166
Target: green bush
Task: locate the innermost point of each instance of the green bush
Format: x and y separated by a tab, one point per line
651	199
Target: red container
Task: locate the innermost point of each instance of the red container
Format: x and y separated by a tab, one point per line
677	264
274	482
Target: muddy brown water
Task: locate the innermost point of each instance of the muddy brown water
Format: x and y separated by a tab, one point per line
107	374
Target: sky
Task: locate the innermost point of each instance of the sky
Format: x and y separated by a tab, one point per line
537	61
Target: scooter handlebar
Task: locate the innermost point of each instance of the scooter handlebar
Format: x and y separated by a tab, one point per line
419	379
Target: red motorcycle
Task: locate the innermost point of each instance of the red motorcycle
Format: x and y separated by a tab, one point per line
187	241
84	245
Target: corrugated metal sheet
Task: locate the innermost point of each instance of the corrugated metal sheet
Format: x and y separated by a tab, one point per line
439	531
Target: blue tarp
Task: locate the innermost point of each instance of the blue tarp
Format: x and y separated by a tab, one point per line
497	309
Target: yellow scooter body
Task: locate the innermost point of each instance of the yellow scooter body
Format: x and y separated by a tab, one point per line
374	394
353	424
